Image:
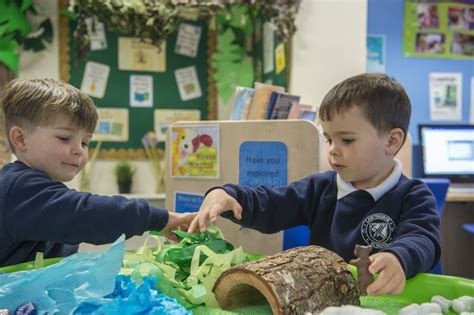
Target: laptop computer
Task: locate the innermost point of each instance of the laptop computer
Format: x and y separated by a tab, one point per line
448	152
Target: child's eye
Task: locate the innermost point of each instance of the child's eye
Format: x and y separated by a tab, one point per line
64	139
347	141
85	144
328	141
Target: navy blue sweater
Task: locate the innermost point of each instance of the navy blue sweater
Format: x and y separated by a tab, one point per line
404	221
38	214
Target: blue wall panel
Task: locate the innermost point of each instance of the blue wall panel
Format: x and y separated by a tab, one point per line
386	17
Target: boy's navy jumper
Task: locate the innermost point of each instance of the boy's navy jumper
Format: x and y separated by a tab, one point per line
403	220
38	214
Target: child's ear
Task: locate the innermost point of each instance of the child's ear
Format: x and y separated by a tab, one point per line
395	141
17	138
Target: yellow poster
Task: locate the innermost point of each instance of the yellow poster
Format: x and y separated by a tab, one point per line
136	55
280	59
195	151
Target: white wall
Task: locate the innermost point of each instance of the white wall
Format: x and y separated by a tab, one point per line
328	47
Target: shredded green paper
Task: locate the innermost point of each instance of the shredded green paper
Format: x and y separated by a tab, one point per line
187	270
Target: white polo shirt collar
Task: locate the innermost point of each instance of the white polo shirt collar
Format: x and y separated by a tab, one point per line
344	188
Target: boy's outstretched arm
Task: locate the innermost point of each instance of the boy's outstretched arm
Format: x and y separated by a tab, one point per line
215	202
177	221
391	278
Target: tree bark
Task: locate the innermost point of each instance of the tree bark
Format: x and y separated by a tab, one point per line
296	281
5	154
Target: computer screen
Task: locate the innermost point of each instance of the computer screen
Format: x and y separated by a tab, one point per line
448	151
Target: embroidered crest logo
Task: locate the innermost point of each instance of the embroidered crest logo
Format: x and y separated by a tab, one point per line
378	230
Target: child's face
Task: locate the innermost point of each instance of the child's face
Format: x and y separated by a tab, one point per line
60	150
356	151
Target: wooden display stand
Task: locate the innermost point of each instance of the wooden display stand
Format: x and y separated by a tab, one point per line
301	139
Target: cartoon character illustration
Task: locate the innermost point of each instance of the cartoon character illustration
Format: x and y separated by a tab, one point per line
187	142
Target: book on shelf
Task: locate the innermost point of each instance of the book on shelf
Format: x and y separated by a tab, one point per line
283	104
242	100
259	106
271	104
296	110
308	115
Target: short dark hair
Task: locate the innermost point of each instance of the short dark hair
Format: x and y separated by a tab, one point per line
382	100
39	102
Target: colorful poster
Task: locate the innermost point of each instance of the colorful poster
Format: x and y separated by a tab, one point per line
195	151
188	83
376	53
136	55
165	117
280	58
141	91
112	125
187	42
439	29
96	32
95	79
445	96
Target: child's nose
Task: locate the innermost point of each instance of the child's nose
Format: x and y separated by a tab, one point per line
77	149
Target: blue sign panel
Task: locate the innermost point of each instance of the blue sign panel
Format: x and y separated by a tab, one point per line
263	163
187	202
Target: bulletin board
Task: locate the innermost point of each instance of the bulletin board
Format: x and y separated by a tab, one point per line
252	152
166	94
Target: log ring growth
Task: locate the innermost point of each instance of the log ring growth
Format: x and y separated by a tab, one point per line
296	281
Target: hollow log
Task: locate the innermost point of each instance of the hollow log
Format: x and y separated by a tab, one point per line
296	281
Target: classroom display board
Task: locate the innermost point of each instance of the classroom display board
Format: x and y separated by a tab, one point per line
439	29
137	87
140	88
254	152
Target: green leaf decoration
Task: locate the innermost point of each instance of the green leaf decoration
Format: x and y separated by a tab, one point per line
25	4
241	18
9	55
233	67
16	31
15	20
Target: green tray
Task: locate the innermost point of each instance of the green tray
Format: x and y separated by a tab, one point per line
418	289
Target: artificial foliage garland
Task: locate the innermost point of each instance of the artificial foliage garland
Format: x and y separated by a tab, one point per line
155	20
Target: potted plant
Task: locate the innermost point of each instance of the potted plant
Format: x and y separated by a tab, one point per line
124	171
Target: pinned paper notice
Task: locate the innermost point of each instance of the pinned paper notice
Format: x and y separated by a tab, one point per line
95	79
96	32
188	83
188	40
141	91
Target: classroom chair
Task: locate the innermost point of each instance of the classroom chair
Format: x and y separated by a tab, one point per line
439	188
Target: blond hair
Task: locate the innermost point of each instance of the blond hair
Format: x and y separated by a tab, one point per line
40	102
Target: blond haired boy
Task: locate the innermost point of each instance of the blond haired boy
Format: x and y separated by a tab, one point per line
49	125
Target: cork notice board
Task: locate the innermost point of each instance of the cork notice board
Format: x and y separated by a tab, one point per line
271	152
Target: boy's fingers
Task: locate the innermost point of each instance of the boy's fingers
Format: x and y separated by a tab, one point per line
214	213
377	264
238	213
203	217
194	224
383	285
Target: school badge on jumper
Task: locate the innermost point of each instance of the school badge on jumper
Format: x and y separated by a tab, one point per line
378	230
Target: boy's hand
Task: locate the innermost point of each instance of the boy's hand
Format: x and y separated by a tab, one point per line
177	221
391	278
216	202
